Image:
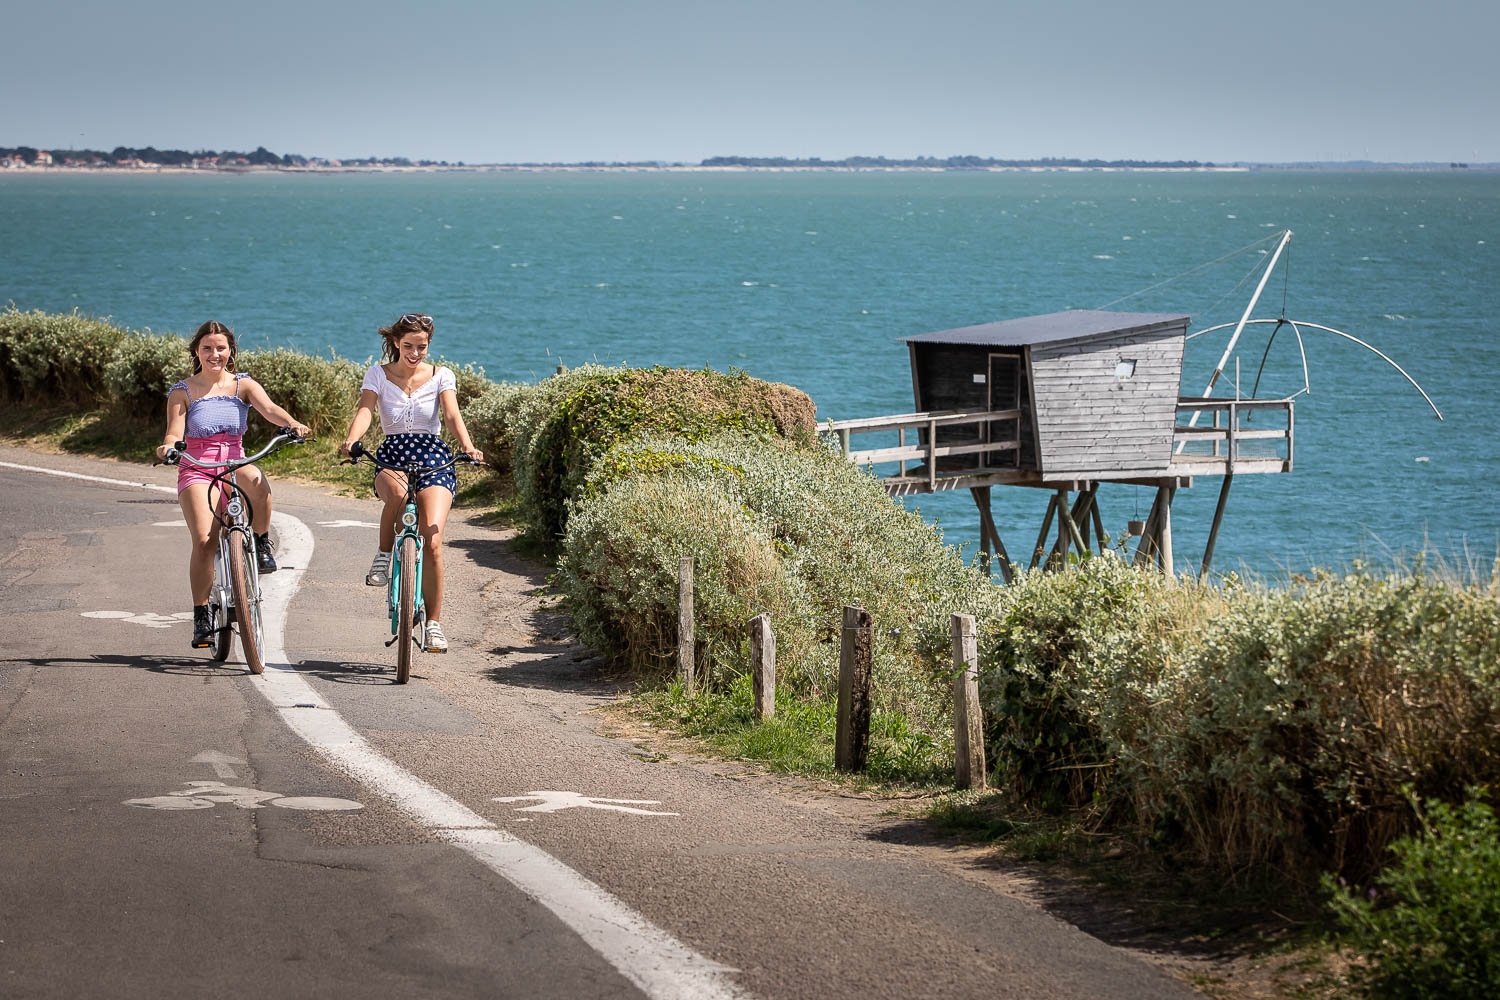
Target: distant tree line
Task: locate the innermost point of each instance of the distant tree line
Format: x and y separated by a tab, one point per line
261	157
944	162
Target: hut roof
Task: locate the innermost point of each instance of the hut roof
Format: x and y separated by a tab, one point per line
1066	325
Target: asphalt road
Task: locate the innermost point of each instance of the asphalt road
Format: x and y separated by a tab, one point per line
178	828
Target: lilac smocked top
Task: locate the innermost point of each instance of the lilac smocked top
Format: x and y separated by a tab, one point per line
211	415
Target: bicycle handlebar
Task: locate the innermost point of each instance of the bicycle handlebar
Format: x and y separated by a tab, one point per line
284	436
357	450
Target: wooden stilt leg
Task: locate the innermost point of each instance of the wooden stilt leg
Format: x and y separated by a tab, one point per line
1041	538
1165	530
982	501
1213	532
1099	531
1146	548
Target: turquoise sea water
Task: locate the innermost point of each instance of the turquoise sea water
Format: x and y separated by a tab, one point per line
810	278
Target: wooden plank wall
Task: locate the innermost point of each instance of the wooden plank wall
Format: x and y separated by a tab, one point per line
1091	425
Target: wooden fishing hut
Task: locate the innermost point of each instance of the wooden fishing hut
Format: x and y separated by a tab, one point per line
1066	402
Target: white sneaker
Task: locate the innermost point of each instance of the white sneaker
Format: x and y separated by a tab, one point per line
380	570
433	639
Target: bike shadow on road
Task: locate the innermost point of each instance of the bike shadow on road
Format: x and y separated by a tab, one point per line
345	672
184	666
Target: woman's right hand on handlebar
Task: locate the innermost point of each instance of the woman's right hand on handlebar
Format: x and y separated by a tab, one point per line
345	449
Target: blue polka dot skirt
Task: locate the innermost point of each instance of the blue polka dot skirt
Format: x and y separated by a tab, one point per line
426	450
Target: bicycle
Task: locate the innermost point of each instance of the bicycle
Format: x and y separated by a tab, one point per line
235	597
404	590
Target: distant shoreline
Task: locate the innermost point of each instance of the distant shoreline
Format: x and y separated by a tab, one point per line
153	169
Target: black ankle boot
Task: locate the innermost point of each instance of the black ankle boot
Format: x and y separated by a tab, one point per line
203	627
263	557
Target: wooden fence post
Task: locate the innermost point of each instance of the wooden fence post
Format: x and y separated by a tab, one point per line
685	621
851	750
968	721
763	666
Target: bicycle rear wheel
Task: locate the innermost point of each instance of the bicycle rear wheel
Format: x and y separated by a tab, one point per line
246	600
406	606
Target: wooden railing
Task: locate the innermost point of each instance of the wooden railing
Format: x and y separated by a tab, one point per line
927	452
1226	433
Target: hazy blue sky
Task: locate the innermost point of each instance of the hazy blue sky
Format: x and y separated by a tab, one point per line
679	80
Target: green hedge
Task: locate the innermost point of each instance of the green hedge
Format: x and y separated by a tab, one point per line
55	358
569	421
1258	729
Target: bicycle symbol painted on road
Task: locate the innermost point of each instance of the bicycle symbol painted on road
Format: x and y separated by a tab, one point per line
207	794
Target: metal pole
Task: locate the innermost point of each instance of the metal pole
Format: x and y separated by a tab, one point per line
1240	326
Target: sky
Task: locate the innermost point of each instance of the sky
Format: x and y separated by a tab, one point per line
499	81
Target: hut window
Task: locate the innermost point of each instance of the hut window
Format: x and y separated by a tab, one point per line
1125	370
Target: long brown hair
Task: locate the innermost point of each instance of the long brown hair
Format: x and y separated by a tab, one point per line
407	323
211	327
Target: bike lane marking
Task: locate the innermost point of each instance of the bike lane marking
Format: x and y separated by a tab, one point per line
649	957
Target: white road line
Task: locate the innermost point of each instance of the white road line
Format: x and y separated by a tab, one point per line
657	963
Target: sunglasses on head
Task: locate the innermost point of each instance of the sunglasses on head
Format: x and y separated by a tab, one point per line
419	320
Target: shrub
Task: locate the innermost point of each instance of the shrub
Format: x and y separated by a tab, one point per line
144	368
825	535
1286	735
55	357
1432	928
1067	676
564	425
321	392
488	418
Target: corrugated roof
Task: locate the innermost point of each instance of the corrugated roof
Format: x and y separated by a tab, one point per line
1053	326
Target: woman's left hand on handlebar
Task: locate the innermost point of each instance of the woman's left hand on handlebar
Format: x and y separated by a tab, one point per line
302	429
475	454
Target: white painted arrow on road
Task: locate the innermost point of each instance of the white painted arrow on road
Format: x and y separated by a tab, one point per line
551	802
222	763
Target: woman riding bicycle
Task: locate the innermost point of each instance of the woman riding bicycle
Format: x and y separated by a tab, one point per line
411	395
209	412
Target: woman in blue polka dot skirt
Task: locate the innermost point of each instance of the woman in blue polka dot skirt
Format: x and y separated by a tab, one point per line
413	398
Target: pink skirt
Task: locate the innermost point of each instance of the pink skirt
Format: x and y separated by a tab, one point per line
219	448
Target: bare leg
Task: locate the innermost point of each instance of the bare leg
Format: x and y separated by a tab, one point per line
258	488
433	505
391	488
205	537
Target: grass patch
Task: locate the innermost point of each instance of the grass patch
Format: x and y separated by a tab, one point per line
797	739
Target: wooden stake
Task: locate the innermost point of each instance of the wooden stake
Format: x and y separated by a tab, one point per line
762	667
685	621
968	721
851	749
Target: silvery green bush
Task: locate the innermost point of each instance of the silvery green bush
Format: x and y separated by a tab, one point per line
321	392
824	535
144	367
55	358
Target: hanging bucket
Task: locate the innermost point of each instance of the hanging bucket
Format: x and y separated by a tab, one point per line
1134	529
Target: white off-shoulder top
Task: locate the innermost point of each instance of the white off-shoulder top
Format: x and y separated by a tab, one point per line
419	413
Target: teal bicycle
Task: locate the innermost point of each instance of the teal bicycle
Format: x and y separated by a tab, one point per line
404	591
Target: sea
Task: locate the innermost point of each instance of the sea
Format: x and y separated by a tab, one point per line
811	278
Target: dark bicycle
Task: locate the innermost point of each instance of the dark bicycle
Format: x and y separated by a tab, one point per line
235	598
404	591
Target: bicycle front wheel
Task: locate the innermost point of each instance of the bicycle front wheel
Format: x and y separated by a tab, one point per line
406	606
222	639
246	601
